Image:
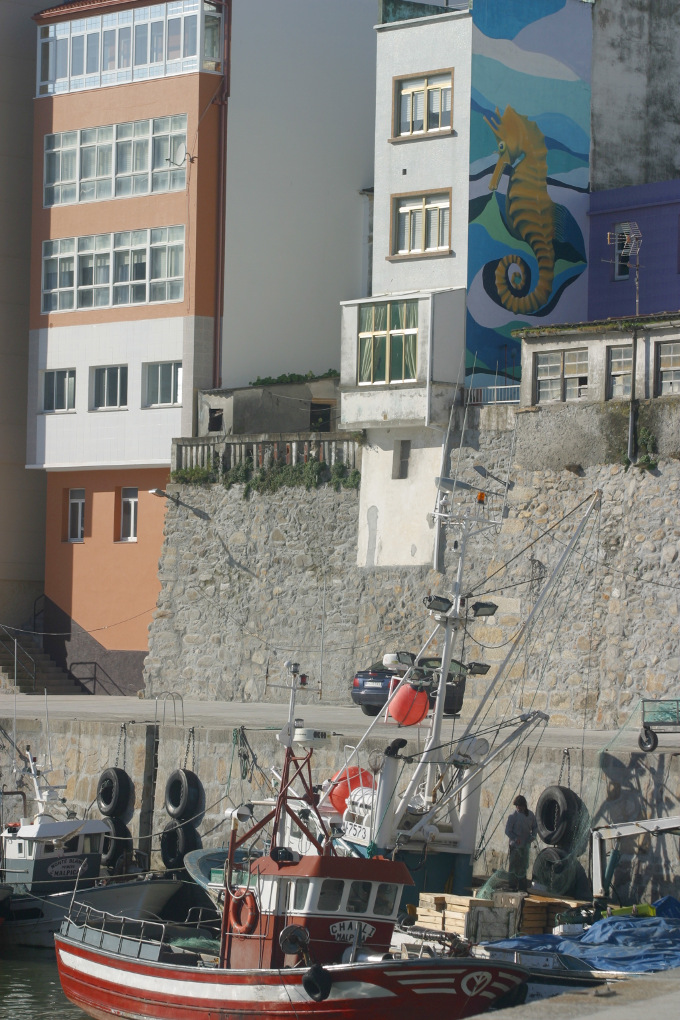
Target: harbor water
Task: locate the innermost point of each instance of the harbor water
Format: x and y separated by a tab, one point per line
30	989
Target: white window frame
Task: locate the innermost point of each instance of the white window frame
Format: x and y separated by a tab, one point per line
418	220
54	380
431	88
558	375
668	368
619	372
372	339
129	504
105	380
139	157
155	380
108	270
76	515
71	53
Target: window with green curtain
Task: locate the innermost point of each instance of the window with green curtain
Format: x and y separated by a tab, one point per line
387	342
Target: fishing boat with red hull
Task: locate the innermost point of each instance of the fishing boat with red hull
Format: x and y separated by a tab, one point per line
299	934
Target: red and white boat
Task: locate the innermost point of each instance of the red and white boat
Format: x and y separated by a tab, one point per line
299	935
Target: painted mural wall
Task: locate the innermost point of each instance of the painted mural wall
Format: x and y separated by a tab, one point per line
529	175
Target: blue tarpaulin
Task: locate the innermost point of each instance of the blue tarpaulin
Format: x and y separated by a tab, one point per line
614	943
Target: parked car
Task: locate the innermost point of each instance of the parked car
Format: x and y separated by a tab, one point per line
371	687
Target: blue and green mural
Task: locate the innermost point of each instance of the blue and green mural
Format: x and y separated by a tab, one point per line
529	173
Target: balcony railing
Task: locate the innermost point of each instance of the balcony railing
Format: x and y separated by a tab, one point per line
220	454
493	394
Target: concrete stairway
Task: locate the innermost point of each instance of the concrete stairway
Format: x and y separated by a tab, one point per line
48	676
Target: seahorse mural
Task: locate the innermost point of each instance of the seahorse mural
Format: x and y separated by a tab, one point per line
529	209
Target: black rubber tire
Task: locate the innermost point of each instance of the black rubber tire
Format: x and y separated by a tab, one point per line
182	794
557	813
371	709
556	870
177	840
115	845
113	792
317	983
648	740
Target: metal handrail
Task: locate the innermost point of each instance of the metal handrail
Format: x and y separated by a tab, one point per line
506	394
166	696
9	642
96	669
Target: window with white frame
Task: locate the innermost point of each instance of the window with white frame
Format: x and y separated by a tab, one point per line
76	515
621	258
422	105
132	45
129	498
117	160
561	375
163	383
422	224
388	337
100	270
668	368
110	387
59	390
619	371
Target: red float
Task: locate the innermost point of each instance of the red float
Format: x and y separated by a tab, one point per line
409	706
343	782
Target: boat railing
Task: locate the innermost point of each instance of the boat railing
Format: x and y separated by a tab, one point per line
140	938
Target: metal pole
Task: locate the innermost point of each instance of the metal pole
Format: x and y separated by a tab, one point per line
323	633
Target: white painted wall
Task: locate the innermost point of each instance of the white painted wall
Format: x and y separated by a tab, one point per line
394	528
414	47
104	438
299	150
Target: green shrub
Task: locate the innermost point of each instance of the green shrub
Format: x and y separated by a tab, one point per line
194	476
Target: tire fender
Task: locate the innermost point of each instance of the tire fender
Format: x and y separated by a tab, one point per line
115	845
243	912
113	792
557	812
177	840
556	870
182	794
317	982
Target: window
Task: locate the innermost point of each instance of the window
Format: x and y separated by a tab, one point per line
149	42
128	514
421	224
91	843
422	105
300	888
128	267
621	255
561	375
134	158
669	369
619	375
330	894
76	515
110	387
163	383
385	898
388	334
59	390
359	895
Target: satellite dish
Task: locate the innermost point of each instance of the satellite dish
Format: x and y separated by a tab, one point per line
180	154
293	939
452	483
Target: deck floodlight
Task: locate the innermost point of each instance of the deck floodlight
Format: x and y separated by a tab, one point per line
437	603
484	609
478	668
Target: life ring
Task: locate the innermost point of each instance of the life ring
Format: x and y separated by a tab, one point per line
115	844
113	792
182	794
243	912
177	840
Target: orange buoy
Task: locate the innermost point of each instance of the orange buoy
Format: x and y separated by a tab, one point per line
409	706
343	782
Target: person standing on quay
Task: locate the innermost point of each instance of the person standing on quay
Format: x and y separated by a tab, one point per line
520	829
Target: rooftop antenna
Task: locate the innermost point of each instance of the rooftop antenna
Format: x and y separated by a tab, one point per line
628	240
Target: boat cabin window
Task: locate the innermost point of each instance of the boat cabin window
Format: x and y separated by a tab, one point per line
48	848
300	891
385	898
359	895
71	845
91	843
330	894
20	849
30	847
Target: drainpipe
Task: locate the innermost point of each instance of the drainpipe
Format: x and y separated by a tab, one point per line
430	351
222	102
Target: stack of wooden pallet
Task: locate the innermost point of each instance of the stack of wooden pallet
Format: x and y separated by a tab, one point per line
467	916
537	915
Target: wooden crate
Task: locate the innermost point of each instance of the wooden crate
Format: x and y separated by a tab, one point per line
485	923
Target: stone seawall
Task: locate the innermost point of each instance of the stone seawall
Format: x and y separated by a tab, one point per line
234	766
274	577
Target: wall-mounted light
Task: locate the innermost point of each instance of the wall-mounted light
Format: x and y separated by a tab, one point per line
484	609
